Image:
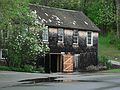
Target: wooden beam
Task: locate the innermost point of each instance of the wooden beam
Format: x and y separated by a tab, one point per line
61	63
57	63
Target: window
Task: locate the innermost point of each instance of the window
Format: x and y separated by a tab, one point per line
45	34
60	35
4	34
3	53
89	38
75	37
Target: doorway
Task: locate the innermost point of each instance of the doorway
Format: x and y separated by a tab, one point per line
53	59
59	63
56	62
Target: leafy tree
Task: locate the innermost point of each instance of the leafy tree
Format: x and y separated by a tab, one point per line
102	13
23	33
117	3
66	4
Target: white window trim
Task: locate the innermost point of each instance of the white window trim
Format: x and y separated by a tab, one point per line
45	40
1	53
89	45
2	34
75	36
61	35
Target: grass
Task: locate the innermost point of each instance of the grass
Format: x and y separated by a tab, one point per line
114	70
106	49
6	68
26	69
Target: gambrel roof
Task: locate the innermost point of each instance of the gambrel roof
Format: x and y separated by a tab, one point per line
56	17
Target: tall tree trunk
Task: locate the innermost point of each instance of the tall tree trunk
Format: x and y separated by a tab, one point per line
118	16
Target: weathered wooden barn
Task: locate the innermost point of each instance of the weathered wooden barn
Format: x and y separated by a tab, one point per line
71	36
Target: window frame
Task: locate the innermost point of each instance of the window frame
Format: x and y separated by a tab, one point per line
89	38
75	32
4	34
45	35
1	53
60	35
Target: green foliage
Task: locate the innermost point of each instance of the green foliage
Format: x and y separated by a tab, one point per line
102	13
105	61
39	2
110	39
66	4
4	68
23	33
114	40
11	10
104	39
24	46
40	69
114	70
26	68
107	47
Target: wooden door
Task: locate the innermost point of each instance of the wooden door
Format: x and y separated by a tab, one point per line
68	63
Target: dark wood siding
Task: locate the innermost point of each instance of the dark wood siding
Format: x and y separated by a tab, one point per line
87	55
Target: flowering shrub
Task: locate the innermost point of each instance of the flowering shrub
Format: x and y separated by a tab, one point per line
24	43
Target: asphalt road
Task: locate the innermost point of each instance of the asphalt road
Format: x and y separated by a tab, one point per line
59	81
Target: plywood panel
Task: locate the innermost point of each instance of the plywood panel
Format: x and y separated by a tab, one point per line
68	63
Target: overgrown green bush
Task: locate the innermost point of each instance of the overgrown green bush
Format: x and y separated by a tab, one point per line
26	68
4	68
105	61
110	39
40	69
114	40
23	33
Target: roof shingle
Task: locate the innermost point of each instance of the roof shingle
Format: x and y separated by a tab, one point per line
63	18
